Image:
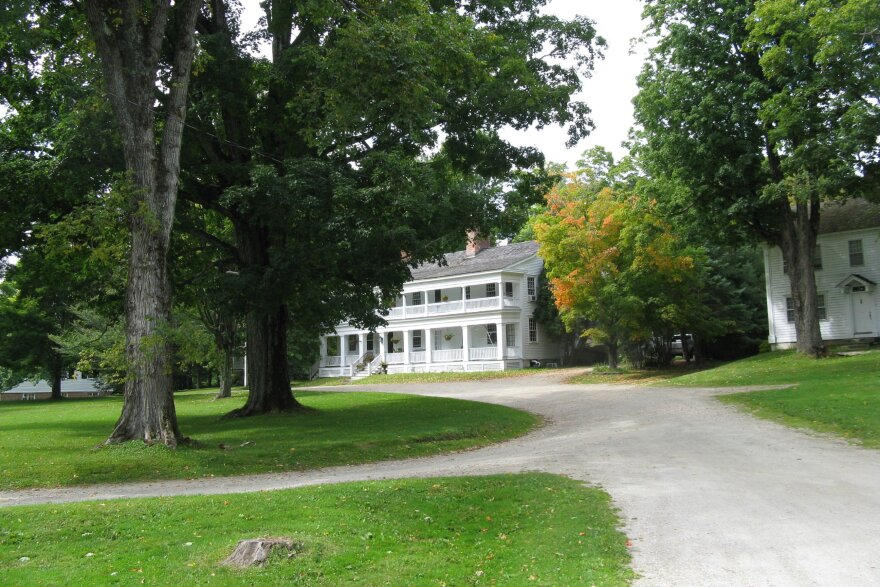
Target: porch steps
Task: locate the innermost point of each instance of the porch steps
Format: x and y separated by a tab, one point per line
853	345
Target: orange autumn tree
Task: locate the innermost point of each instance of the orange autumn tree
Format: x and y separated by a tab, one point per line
613	264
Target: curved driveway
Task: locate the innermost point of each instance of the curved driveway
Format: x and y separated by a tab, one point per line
708	495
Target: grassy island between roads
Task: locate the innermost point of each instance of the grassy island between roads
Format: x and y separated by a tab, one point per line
837	394
533	529
44	444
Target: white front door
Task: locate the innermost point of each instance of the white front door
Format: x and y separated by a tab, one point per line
863	312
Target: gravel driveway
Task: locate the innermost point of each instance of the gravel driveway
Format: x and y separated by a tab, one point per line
709	496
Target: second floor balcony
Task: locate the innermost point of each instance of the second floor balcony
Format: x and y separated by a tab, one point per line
456	300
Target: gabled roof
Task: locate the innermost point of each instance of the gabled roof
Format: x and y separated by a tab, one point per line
855	278
492	259
853	214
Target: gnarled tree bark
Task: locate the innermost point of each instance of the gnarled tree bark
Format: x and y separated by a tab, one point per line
129	37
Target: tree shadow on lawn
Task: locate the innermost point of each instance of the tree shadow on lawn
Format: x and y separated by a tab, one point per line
341	429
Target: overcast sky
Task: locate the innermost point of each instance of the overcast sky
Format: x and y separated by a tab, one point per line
608	92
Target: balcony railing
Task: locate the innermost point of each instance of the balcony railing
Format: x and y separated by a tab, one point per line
455	307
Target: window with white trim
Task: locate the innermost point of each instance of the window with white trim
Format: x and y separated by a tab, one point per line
491	334
510	334
821	310
438	295
856	253
508	289
417	339
491	291
370	343
352	344
533	329
417	298
467	292
530	286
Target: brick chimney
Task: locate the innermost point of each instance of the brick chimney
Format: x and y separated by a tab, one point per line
476	243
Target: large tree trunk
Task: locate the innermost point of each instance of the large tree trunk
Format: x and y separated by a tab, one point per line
226	374
56	378
268	377
798	244
129	37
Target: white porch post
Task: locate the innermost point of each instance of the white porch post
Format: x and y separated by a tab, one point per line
429	345
406	346
500	288
500	339
323	349
362	344
383	346
465	346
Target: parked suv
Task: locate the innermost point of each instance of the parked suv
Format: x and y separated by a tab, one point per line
685	350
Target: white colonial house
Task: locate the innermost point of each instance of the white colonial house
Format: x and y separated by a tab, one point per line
475	312
847	273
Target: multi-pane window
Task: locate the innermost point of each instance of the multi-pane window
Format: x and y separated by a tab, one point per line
467	292
491	291
491	334
789	309
856	254
352	344
530	286
510	334
508	289
370	343
417	339
533	330
417	298
820	308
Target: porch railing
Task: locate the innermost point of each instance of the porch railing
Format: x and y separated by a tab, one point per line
453	307
444	355
481	353
418	357
331	361
394	358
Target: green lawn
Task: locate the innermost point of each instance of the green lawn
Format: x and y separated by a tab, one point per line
419	378
532	529
838	394
633	376
58	443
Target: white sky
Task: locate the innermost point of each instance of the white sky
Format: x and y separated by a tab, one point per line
608	92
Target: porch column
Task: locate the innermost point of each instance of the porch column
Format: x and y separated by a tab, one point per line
429	345
500	339
362	344
383	346
465	346
323	349
406	346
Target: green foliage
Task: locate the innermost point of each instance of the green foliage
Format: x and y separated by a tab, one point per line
511	530
613	264
54	444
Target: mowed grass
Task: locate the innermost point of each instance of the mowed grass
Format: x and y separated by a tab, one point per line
451	376
634	376
838	394
531	529
60	443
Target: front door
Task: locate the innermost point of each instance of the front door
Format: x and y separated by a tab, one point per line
863	311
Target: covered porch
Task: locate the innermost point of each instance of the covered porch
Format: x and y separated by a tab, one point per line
477	347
